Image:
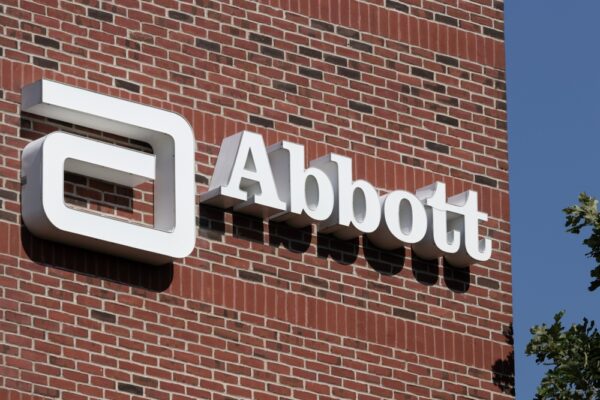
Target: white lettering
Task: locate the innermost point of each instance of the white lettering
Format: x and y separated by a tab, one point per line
357	207
438	239
271	183
243	177
308	193
472	248
325	193
404	221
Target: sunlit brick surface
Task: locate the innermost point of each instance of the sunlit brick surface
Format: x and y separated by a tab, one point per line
413	91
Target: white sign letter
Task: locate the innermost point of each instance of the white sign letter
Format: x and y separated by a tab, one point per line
308	193
357	202
45	161
472	249
403	222
243	177
438	239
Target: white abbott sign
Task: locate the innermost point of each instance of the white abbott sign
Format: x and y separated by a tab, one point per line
273	182
249	177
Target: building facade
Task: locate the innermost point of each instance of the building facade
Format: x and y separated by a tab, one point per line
413	91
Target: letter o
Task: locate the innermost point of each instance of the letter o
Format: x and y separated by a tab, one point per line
404	221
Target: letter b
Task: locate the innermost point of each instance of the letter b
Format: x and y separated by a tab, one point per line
357	209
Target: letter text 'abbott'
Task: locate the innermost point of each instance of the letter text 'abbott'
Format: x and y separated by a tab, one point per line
273	182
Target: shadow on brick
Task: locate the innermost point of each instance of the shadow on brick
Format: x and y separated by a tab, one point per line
97	265
426	272
386	262
504	369
212	226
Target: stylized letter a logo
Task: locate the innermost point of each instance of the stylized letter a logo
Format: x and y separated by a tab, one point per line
171	167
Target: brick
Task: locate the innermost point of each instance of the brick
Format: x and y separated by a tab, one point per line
100	15
8	195
484	180
310	52
44	41
361	46
179	16
145	381
444	119
288	87
261	121
321	25
349	73
396	5
422	73
208	45
133	389
493	33
434	87
200	179
271	52
294	119
260	38
446	19
250	276
132	87
361	107
45	63
103	316
344	31
405	314
440	148
412	161
489	283
446	60
336	60
311	73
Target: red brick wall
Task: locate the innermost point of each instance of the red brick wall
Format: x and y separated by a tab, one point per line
412	90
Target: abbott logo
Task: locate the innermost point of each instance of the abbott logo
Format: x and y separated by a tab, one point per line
171	167
249	178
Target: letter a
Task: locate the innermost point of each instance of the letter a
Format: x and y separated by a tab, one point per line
243	177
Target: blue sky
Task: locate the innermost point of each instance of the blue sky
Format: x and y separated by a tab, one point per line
553	72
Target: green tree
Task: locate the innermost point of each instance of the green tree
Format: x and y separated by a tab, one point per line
573	354
582	216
